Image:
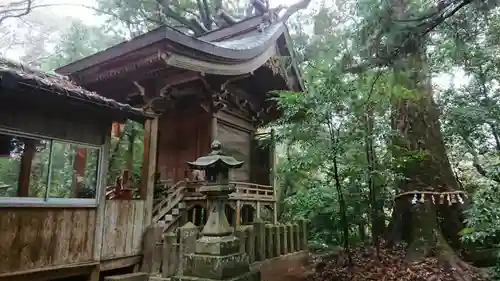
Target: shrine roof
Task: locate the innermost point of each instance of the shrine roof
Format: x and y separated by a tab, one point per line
15	76
234	50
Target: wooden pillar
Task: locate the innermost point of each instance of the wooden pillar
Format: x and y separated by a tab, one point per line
275	213
79	168
238	214
258	209
274	179
149	167
25	169
94	274
213	129
101	198
272	148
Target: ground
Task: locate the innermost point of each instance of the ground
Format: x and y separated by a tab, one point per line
389	266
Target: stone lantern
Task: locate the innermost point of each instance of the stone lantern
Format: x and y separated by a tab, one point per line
217	255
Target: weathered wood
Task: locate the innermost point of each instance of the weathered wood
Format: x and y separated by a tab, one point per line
37	238
284	239
275	213
304	233
273	178
50	273
119	263
101	200
94	274
122	230
238	213
289	238
90	129
260	242
25	168
269	241
239	122
213	130
278	240
258	210
184	137
241	234
236	142
250	246
296	237
149	168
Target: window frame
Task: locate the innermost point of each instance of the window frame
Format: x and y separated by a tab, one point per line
46	201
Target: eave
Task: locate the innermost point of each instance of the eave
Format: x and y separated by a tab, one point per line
235	50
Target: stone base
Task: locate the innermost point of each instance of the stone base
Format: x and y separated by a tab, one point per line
249	276
216	267
217	246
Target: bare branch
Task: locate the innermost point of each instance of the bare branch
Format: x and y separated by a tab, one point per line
423	27
16	10
23	12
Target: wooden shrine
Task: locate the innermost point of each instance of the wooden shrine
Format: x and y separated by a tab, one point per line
216	86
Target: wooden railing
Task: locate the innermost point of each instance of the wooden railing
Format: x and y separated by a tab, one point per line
166	196
252	191
167	204
189	190
244	191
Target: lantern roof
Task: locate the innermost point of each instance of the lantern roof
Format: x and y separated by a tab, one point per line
215	158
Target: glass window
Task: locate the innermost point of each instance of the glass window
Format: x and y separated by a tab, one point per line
23	166
74	171
44	168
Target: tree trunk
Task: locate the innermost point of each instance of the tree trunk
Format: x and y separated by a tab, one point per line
421	160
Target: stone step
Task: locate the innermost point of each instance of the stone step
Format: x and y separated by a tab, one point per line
181	205
138	276
175	211
158	279
169	218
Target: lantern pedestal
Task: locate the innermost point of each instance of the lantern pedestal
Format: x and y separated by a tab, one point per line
217	255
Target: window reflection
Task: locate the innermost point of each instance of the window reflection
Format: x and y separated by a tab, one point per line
74	171
28	165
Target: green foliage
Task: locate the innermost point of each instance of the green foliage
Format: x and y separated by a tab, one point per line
323	128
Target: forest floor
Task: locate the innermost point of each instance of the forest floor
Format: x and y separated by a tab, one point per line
389	265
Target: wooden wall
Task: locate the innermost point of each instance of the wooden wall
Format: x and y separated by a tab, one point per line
123	228
37	238
236	134
77	126
183	136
